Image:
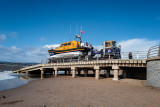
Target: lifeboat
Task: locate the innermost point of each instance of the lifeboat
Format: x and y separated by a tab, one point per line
72	49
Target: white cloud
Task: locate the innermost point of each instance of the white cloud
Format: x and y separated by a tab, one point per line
51	46
2	37
26	54
137	44
11	54
13	34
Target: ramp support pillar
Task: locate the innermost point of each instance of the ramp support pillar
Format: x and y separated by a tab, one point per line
73	72
26	74
55	71
116	72
97	75
42	72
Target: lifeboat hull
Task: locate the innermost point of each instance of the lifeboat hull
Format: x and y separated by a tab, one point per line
70	53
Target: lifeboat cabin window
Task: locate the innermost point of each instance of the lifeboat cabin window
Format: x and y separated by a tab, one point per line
69	43
113	43
108	44
65	44
61	45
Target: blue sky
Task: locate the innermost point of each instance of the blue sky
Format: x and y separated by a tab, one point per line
27	25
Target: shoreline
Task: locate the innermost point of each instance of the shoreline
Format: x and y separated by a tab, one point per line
19	85
9	80
82	91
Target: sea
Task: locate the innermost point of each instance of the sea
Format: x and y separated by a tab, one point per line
10	80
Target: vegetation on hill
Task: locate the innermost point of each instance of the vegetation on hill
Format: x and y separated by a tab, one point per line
11	66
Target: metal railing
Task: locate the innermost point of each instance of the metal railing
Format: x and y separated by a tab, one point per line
135	55
154	52
124	55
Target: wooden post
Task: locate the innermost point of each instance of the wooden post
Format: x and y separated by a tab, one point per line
97	75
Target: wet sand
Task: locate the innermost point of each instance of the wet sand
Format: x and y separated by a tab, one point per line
64	91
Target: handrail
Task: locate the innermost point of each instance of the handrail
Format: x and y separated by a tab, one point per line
135	55
154	51
124	55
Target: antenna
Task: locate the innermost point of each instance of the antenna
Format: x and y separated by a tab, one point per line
80	35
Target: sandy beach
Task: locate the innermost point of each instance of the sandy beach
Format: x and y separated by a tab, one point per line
64	91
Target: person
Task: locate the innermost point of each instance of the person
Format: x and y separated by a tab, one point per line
130	55
91	46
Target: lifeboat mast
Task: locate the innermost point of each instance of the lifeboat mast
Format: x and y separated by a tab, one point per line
80	36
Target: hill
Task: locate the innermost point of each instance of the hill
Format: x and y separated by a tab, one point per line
10	66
